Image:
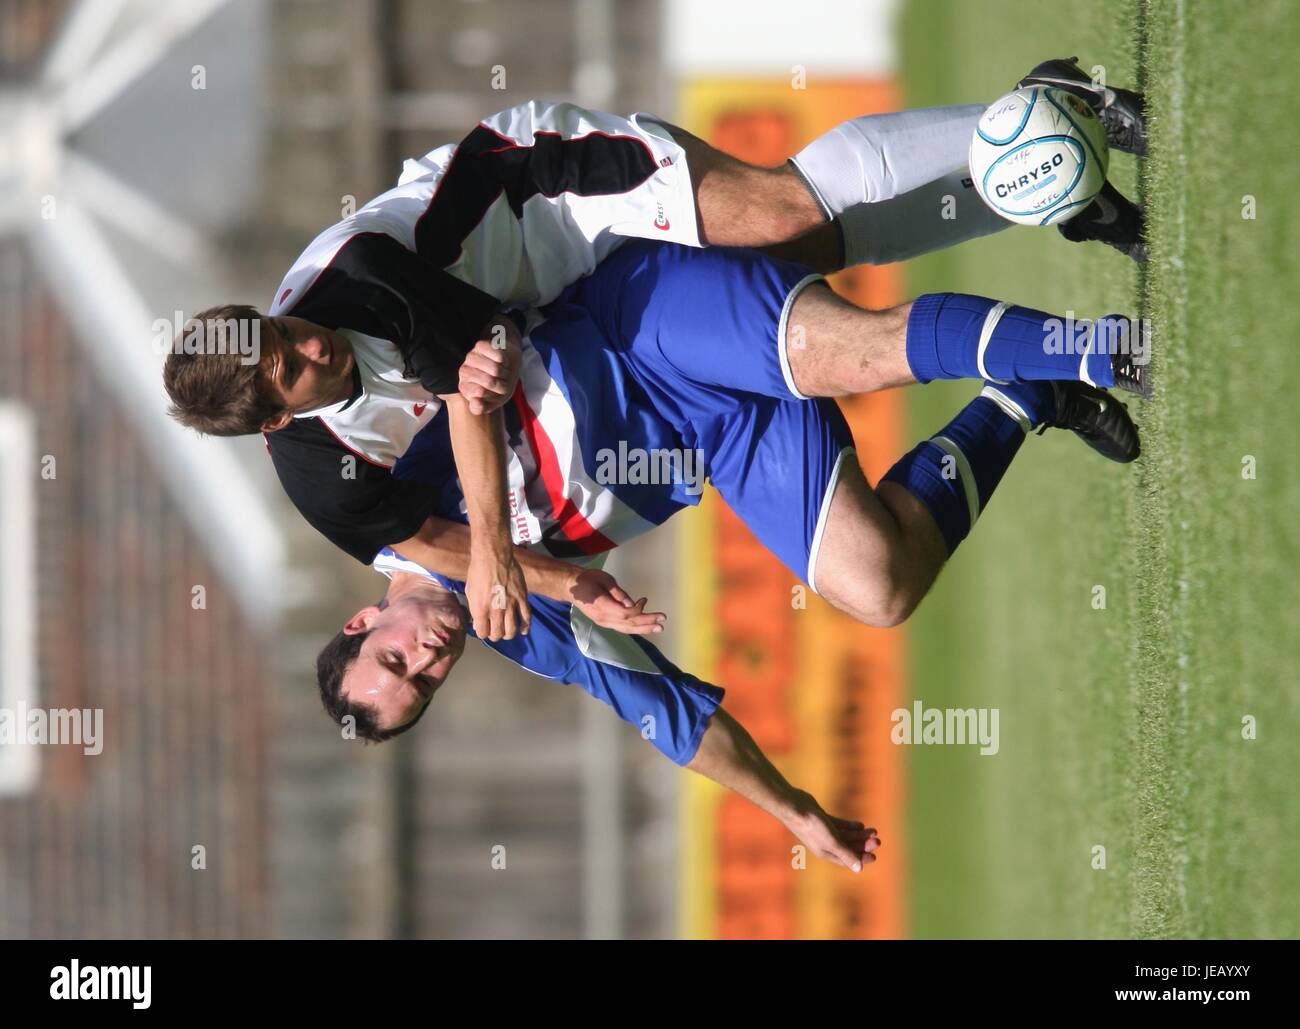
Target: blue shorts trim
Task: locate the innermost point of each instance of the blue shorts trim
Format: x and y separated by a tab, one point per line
782	332
703	333
777	465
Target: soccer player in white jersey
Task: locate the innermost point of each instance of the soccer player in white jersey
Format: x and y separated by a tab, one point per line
397	308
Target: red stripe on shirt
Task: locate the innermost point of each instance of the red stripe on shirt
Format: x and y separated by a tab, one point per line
570	521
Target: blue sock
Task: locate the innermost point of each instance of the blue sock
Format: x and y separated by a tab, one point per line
955	473
956	336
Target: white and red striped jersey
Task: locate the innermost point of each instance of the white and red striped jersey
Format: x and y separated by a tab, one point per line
527	203
364	489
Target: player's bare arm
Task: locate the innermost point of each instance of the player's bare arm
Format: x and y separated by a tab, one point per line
444	547
494	585
729	756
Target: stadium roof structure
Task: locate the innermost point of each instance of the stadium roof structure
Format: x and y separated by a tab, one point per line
129	149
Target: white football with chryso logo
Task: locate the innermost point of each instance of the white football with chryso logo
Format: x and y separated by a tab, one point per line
1039	156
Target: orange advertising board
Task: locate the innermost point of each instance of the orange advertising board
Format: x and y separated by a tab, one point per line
813	687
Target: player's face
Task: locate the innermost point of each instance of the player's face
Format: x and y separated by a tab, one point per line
410	650
304	366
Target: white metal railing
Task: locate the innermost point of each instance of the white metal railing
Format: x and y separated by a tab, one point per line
19	763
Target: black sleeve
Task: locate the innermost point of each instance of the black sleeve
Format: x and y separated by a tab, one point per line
358	506
377	286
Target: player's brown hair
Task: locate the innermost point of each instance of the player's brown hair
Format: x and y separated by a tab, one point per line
211	373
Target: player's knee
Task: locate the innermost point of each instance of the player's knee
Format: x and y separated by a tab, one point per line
896	608
876	613
887	611
881	597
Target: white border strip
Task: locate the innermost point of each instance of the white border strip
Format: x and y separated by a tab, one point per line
1083	360
986	336
823	515
18	683
830	38
793	295
1009	407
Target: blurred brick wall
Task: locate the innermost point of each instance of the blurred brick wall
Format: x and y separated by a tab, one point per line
102	847
214	741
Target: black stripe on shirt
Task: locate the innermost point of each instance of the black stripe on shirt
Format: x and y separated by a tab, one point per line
376	286
485	164
360	507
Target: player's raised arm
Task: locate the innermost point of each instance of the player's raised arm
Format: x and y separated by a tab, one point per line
728	755
444	547
494	585
681	716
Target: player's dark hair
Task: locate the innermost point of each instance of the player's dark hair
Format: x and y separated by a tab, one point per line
332	665
215	388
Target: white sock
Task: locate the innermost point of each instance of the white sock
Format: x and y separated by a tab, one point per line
878	156
938	214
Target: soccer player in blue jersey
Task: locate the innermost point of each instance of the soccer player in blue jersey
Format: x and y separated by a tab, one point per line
730	357
386	666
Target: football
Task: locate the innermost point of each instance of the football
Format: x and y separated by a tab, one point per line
1038	156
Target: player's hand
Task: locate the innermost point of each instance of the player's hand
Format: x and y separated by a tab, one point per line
497	595
838	840
598	596
490	371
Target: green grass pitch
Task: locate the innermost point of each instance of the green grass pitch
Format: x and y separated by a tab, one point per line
1122	728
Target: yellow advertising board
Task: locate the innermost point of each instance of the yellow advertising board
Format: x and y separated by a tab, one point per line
814	687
